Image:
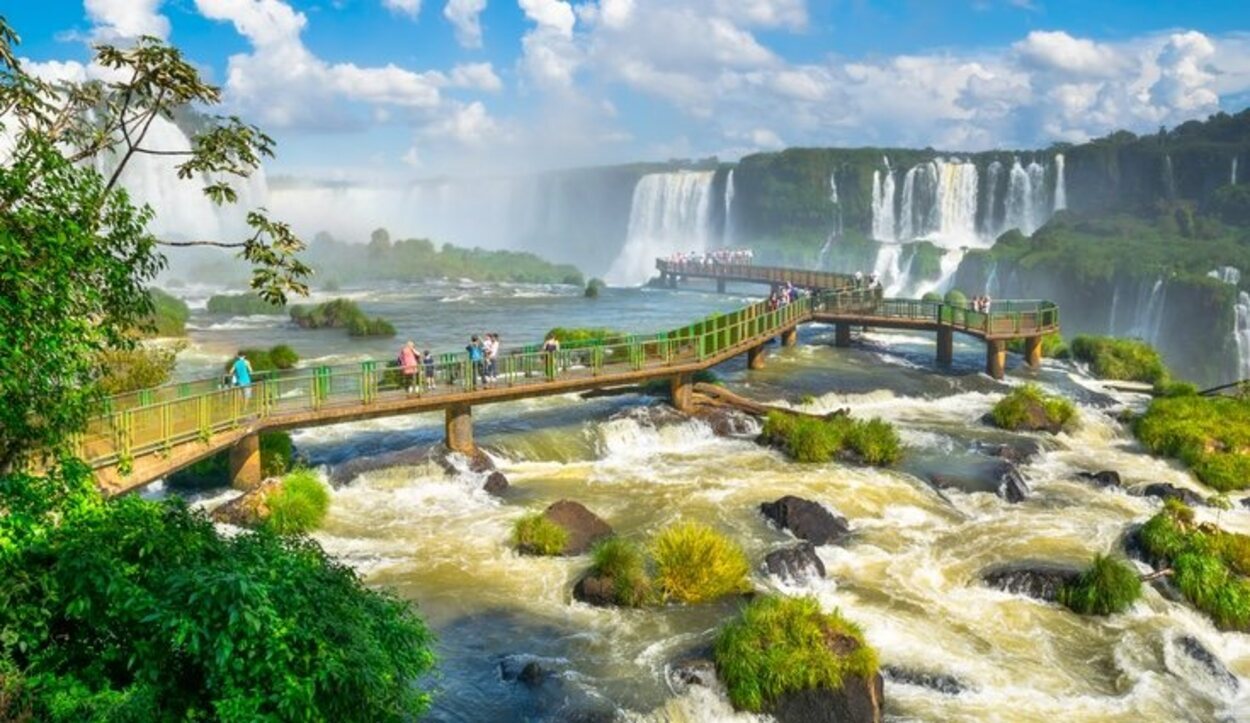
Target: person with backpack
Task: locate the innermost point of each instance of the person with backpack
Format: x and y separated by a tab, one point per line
409	360
476	360
241	374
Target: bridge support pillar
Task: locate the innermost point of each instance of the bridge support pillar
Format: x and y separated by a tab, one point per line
720	286
1033	351
459	429
842	334
945	345
996	358
672	281
681	389
755	358
245	463
790	337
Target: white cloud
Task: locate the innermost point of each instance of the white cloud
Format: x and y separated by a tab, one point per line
554	15
126	19
469	125
476	76
464	15
1060	52
411	8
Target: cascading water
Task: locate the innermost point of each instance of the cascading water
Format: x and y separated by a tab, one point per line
1026	194
991	226
1061	189
1232	173
1241	319
884	224
1149	319
669	214
907	221
729	205
836	232
1169	177
955	225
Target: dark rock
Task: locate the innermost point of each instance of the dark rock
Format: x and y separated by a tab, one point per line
799	563
1011	485
942	683
452	463
1018	451
595	590
248	509
690	672
807	520
522	669
1166	492
496	484
1105	478
455	462
1041	581
858	701
532	674
1204	657
585	528
1245	502
945	481
728	422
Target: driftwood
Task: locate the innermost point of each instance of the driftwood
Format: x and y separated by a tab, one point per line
1165	572
711	395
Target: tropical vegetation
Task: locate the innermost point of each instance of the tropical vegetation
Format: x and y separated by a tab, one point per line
536	534
340	313
1124	359
694	563
297	505
1106	587
1028	407
809	439
1210	434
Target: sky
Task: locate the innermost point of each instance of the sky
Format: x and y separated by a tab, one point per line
362	90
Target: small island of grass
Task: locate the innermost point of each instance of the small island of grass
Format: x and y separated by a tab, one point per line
1209	434
809	439
1028	408
1106	587
1129	360
340	314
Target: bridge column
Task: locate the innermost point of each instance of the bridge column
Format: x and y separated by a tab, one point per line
681	388
459	429
720	286
790	337
755	358
996	358
245	463
1033	351
945	345
842	334
672	281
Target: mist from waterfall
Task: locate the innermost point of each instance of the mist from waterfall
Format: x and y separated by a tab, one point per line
670	213
884	223
991	226
1061	188
1148	321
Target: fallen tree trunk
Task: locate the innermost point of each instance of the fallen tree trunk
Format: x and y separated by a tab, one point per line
716	396
1165	572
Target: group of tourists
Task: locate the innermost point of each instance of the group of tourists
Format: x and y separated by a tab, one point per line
981	304
417	368
871	281
719	257
484	356
783	296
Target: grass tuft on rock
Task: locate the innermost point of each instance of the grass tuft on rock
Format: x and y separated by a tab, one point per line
299	504
1211	435
785	645
1029	408
534	534
1106	587
807	439
694	563
1130	360
624	563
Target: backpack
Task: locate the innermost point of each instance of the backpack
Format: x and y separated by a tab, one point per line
475	352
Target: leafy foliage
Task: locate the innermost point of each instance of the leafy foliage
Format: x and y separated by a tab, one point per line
577	337
1028	407
808	439
340	313
1209	434
169	315
299	504
137	367
133	610
274	358
694	563
242	305
625	565
593	287
277	455
1124	359
785	645
535	534
1107	587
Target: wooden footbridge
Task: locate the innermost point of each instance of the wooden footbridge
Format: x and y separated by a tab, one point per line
146	435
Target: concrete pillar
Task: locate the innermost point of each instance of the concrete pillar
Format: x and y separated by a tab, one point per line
459	429
1033	351
720	286
842	334
945	345
996	358
245	463
755	358
790	337
682	392
672	281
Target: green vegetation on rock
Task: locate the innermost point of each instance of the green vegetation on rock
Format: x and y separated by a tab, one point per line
593	287
242	305
140	367
781	645
694	563
1209	564
625	564
955	297
1028	408
584	336
299	504
340	313
1209	434
534	534
169	315
1106	587
1123	359
808	439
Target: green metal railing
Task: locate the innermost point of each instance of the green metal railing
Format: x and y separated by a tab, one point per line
825	280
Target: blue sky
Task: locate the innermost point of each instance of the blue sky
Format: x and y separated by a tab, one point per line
406	88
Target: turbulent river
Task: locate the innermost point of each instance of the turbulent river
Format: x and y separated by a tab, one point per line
909	575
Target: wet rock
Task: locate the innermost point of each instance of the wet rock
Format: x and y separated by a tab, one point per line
595	590
1018	451
689	672
525	669
945	481
585	528
807	520
942	683
1192	647
455	462
248	509
496	484
858	701
1041	581
728	422
452	463
1011	485
1245	502
532	674
797	564
1105	478
1164	491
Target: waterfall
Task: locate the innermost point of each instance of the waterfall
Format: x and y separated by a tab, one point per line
991	280
729	204
1061	190
1241	318
1169	178
907	220
669	214
1115	305
949	265
1022	197
955	203
883	220
888	267
1150	305
990	224
1232	173
837	205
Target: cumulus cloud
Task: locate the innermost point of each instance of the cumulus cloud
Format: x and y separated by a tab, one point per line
411	8
1060	52
476	76
464	15
116	20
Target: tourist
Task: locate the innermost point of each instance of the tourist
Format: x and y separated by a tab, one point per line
408	363
551	346
985	303
859	279
475	358
429	369
490	348
241	375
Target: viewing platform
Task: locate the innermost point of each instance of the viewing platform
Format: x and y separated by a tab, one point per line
146	435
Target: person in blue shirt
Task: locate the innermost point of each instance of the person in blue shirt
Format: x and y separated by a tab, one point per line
241	375
476	357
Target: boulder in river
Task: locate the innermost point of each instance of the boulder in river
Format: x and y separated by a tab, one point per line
585	528
595	590
249	509
1041	581
1105	478
496	484
859	700
1011	485
1164	491
807	520
1018	451
1211	664
1245	502
798	563
940	682
689	672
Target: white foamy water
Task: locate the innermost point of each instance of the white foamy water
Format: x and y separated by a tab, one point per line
670	213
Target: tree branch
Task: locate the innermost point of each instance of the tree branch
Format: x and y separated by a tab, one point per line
218	244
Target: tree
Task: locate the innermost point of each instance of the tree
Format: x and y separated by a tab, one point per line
379	243
75	252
